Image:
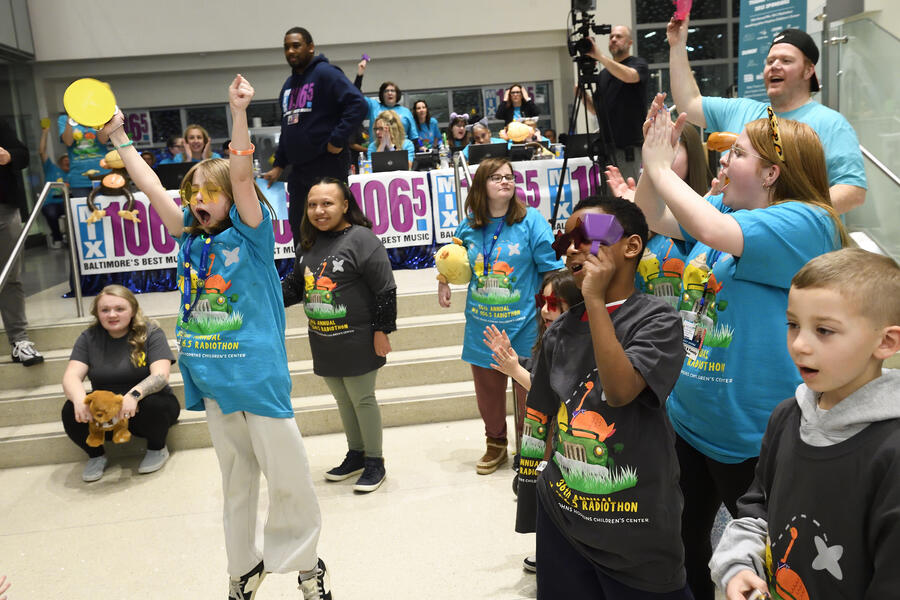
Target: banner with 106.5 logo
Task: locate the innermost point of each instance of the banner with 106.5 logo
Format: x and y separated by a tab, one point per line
406	209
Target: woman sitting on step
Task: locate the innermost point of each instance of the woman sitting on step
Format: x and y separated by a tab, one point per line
121	352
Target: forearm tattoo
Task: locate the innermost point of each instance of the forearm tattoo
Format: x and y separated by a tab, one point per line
151	384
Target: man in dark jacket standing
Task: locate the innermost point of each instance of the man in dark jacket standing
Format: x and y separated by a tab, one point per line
13	158
320	110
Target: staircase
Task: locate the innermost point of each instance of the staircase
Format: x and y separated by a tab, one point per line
424	380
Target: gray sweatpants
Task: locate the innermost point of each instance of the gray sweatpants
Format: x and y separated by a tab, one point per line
12	296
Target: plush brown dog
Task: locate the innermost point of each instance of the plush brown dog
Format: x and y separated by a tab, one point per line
104	408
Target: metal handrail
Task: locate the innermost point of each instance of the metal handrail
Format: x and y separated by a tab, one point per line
460	159
20	243
884	168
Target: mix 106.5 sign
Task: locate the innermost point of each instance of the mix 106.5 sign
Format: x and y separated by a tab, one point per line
398	204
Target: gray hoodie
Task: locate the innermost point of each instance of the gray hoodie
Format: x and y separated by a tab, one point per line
743	543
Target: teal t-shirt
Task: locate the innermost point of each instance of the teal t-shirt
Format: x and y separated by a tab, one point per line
503	293
52	172
842	155
660	269
84	153
232	347
723	398
376	108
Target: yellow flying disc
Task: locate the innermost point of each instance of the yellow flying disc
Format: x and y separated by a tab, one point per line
90	102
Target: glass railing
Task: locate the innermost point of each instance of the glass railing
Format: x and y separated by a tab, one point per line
869	97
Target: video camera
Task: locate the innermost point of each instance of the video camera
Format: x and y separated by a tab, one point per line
579	42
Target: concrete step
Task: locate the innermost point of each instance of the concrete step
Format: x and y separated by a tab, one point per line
47	443
423	366
62	335
412	333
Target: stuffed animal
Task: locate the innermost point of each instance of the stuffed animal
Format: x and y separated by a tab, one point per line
112	184
452	262
104	408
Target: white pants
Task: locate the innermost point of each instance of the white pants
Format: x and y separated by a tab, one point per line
246	444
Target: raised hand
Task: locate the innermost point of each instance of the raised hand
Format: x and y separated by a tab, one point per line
677	32
116	122
618	185
361	67
661	139
240	92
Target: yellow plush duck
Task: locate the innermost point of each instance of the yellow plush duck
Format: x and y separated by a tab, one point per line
452	262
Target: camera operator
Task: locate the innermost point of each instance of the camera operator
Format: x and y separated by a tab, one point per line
622	89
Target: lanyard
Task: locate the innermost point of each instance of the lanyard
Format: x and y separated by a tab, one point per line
186	274
714	255
487	252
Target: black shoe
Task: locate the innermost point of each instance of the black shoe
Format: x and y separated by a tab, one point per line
245	587
373	476
319	587
353	464
530	564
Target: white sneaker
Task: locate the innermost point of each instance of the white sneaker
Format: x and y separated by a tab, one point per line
24	352
318	587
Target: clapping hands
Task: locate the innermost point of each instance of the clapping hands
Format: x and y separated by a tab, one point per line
661	135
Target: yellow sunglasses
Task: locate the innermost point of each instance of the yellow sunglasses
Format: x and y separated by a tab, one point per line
208	191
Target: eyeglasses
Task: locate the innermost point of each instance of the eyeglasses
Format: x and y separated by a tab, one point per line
498	178
208	191
552	302
739	152
515	92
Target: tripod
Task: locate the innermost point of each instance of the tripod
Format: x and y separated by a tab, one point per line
600	147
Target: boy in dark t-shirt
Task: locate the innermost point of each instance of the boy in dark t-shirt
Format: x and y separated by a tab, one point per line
609	513
822	517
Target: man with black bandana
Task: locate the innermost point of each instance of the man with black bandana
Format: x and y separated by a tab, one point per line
320	111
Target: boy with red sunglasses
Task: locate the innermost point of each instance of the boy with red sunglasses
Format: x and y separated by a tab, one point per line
609	505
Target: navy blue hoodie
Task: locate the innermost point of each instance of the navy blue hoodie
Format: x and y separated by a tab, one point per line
318	106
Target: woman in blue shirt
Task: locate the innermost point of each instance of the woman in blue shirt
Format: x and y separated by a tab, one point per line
742	249
390	135
429	131
196	146
509	250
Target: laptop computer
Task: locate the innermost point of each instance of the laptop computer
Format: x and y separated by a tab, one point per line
425	161
172	174
394	160
479	152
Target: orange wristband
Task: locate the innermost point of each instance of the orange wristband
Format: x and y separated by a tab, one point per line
247	152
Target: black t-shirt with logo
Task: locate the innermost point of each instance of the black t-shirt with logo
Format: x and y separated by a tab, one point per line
341	275
611	485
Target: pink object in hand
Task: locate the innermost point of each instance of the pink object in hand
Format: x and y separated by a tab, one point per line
682	9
